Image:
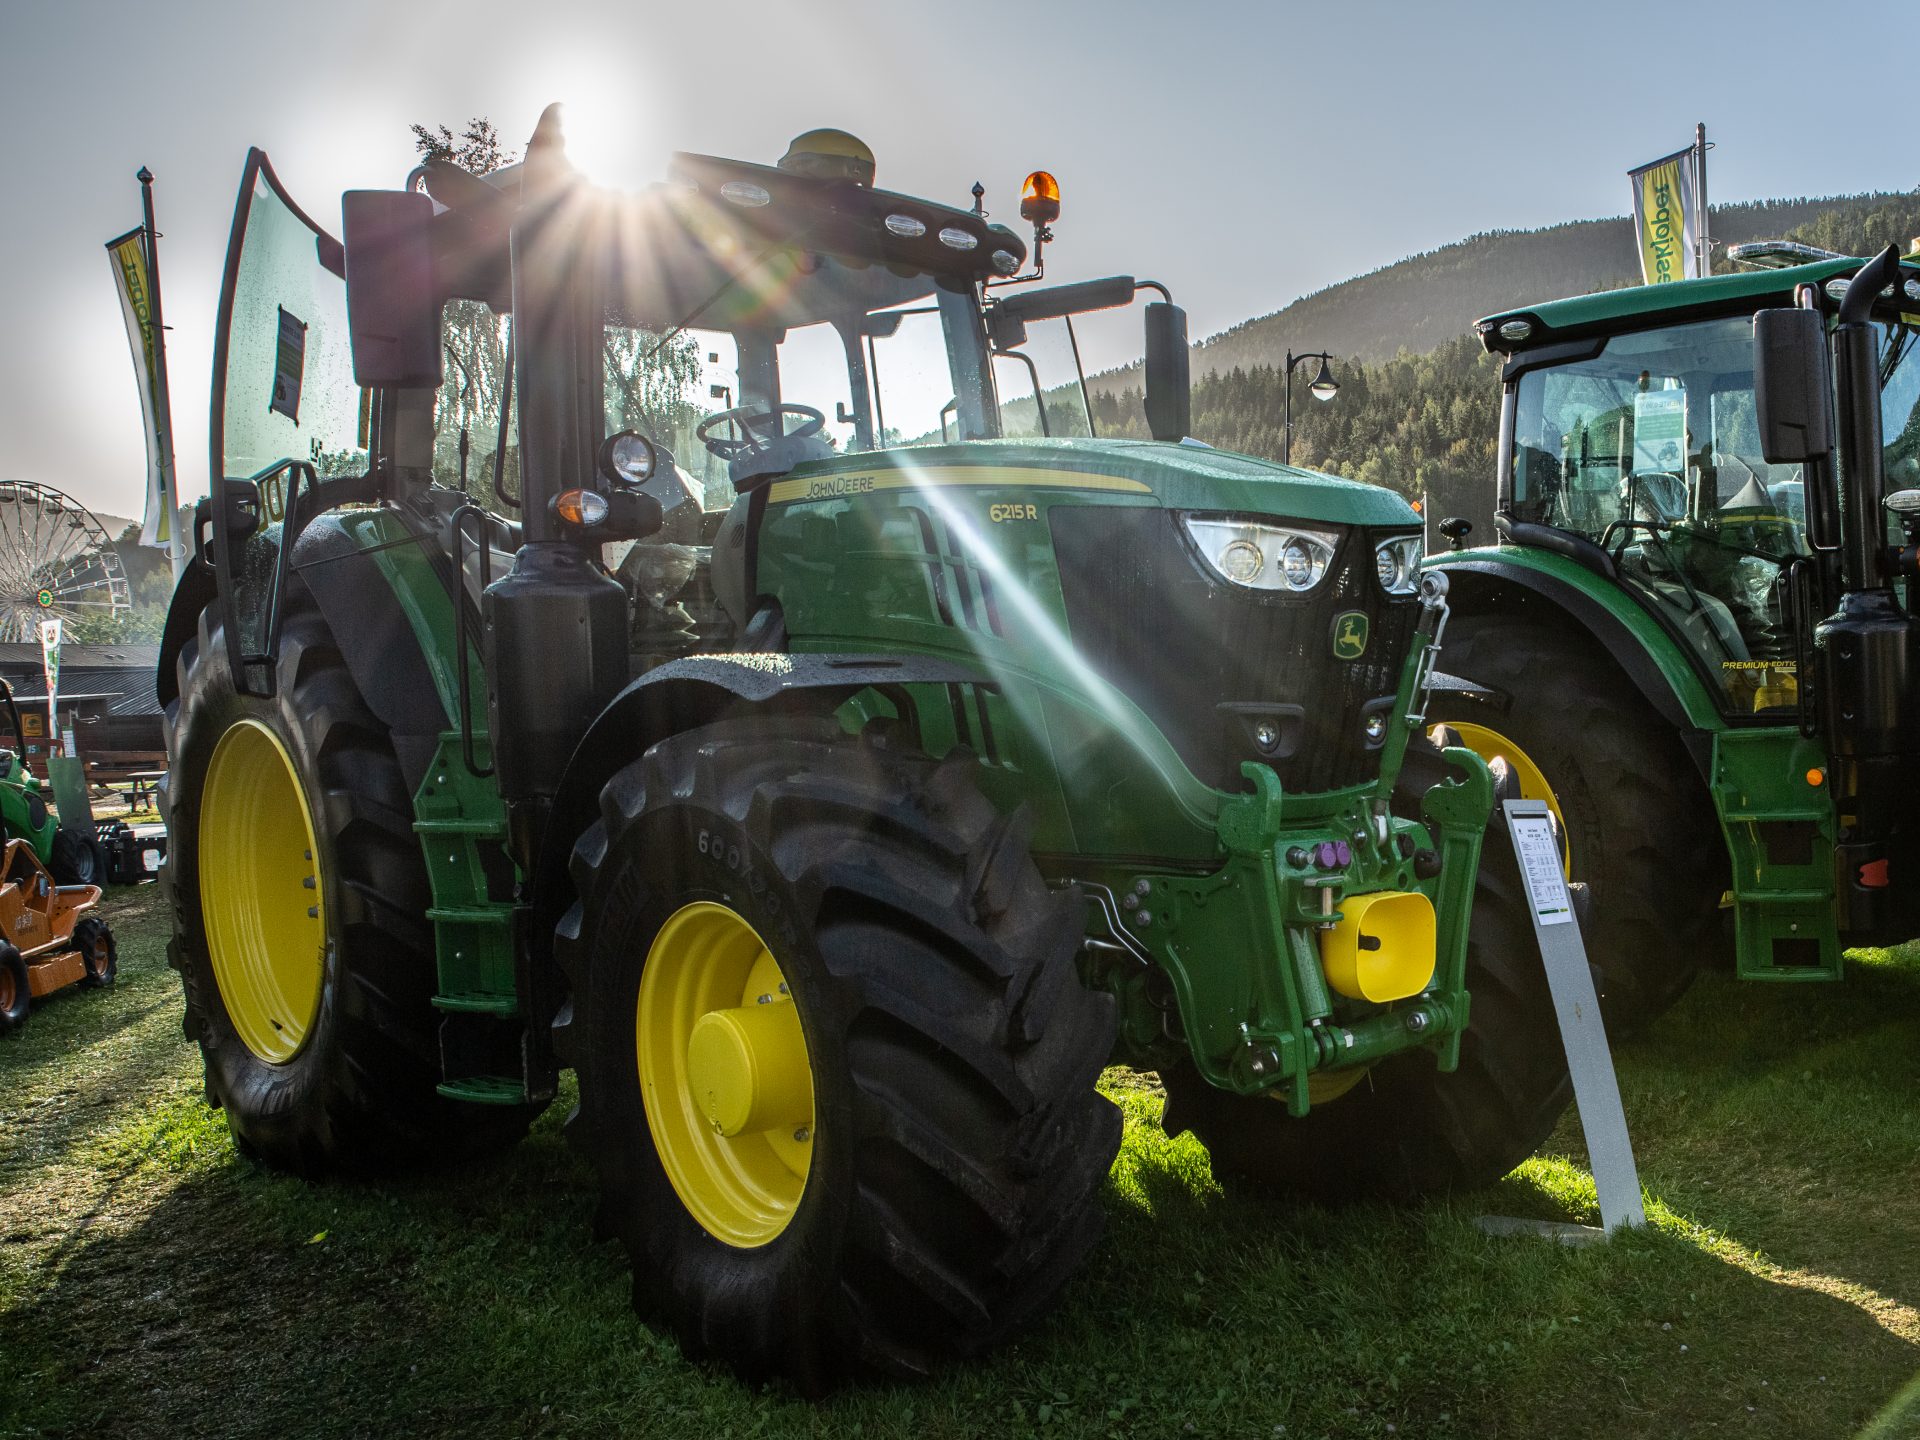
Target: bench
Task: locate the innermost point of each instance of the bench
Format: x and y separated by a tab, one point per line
141	770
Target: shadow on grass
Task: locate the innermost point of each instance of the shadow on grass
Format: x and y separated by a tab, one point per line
1787	1118
199	1295
240	1302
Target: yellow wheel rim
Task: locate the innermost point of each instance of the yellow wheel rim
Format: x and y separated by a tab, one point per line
261	892
1491	745
724	1074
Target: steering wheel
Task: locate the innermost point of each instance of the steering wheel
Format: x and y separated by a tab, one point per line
758	429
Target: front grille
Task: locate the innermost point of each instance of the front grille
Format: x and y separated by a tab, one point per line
1211	663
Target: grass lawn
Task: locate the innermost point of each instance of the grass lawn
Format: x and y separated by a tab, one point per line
153	1283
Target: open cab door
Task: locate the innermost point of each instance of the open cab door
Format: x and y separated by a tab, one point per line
288	421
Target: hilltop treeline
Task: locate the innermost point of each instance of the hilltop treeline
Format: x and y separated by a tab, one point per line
1421	421
1399	424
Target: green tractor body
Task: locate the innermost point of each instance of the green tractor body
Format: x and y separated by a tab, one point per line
839	841
1695	631
72	854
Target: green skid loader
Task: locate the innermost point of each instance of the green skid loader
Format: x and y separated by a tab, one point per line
840	841
1695	635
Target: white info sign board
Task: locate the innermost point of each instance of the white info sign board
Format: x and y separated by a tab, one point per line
1539	853
1596	1089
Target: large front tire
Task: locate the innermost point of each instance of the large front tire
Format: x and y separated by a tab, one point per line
1639	825
299	901
1407	1130
930	1176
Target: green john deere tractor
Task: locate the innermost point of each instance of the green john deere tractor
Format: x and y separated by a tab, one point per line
836	836
1695	635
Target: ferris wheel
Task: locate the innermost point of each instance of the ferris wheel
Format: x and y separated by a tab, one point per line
56	559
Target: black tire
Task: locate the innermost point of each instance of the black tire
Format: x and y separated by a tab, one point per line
16	1002
960	1144
358	1096
76	859
1640	824
1407	1130
98	953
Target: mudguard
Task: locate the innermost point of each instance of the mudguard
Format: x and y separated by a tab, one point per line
197	590
1514	580
379	644
695	691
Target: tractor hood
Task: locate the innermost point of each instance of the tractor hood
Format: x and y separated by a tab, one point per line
1180	477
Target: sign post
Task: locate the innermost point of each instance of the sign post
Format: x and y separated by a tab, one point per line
1596	1089
50	664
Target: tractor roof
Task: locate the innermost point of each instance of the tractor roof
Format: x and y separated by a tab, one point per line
724	244
1610	310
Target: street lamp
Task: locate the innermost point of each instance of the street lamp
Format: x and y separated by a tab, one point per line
1322	387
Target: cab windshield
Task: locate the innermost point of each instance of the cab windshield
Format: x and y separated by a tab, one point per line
1651	449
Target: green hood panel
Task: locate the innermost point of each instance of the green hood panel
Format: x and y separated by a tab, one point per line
1181	477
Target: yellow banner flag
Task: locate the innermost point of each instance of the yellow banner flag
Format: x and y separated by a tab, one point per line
133	281
1663	219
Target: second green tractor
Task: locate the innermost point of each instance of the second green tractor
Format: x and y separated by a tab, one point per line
1694	633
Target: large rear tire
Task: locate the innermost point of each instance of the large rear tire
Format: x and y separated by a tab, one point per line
927	1174
1639	824
1408	1130
299	901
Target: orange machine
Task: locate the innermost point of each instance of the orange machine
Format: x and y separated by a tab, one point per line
48	940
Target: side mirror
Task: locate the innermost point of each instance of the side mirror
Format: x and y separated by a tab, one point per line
1792	386
1168	373
393	306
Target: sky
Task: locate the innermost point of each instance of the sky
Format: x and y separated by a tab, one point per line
1242	153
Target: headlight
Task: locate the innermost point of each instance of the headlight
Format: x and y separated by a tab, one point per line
1263	557
1397	563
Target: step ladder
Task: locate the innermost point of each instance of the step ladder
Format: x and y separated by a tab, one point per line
463	831
1780	835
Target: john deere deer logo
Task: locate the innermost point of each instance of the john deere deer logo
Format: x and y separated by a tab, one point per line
1349	635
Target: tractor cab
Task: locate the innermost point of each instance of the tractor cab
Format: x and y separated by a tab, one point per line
1639	451
755	318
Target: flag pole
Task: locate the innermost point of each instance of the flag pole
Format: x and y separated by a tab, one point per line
176	543
1700	197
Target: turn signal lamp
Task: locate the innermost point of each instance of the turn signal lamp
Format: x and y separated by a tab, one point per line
1816	777
581	508
1040	199
1383	946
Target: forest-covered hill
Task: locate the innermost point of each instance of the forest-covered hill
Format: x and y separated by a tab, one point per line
1416	408
1420	303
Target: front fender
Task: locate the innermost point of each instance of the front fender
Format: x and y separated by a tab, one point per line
682	695
1512	579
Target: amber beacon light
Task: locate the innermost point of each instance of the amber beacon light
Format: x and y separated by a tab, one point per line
1040	199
